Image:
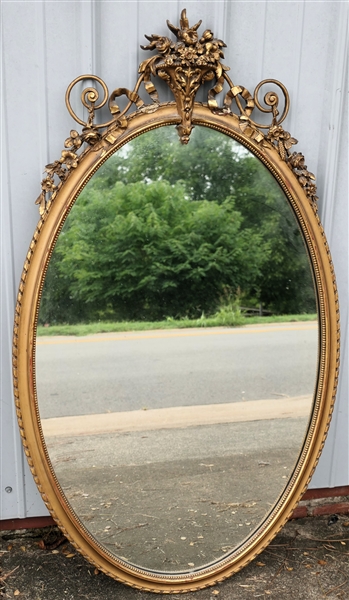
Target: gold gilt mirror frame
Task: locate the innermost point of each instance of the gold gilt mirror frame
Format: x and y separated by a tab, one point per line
185	65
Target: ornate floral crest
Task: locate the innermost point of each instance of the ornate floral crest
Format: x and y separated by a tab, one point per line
184	65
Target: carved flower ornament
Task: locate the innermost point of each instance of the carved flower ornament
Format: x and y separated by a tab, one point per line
185	64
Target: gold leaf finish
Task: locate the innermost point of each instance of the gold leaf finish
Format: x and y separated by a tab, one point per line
185	65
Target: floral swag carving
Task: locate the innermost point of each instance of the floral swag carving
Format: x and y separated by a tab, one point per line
185	65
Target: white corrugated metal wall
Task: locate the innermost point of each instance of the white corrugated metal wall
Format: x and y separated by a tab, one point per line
46	44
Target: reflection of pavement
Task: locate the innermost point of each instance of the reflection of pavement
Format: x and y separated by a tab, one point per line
109	373
144	447
175	498
179	416
174	487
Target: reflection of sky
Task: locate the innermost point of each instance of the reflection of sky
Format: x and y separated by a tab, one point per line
125	150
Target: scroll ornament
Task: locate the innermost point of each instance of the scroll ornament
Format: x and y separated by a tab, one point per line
185	65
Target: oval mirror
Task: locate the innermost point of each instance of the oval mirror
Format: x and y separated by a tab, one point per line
176	335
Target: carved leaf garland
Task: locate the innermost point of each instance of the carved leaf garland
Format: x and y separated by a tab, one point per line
184	65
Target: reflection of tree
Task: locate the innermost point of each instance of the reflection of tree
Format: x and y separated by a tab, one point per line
210	167
165	230
143	251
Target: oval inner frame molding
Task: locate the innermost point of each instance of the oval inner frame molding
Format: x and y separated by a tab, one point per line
64	180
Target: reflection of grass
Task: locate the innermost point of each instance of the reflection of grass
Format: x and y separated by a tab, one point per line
279	319
224	318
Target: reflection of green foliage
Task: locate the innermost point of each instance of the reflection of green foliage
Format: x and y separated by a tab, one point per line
285	283
164	230
210	167
144	251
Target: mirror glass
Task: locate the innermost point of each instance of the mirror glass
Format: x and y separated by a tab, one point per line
176	355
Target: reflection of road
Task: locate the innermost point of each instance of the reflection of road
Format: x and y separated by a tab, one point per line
168	499
160	369
178	417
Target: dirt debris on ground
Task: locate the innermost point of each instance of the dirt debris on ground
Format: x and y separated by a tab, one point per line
308	560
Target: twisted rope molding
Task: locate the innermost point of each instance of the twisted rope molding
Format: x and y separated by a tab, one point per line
187	54
140	572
